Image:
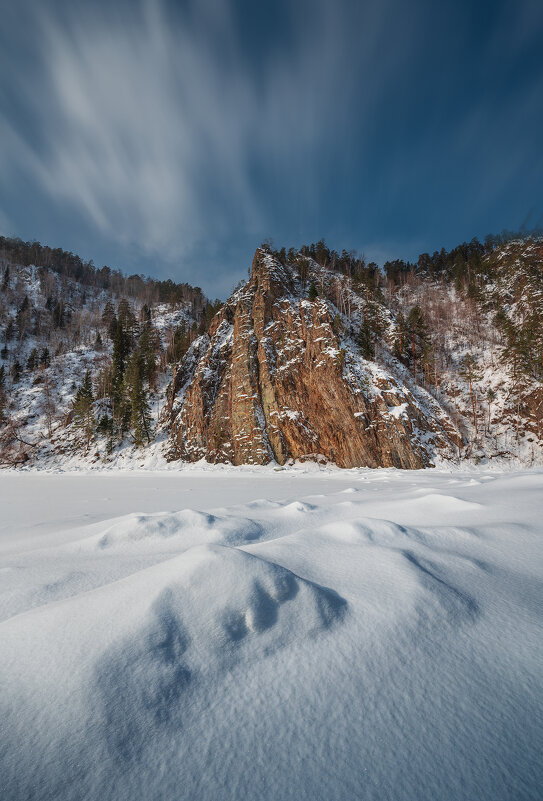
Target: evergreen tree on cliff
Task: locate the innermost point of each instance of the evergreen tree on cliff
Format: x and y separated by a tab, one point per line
140	414
83	414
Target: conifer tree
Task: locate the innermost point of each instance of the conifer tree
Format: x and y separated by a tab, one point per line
109	319
16	371
121	349
364	340
83	414
125	315
108	314
140	415
9	333
418	332
149	342
45	358
313	293
145	314
468	368
33	360
372	328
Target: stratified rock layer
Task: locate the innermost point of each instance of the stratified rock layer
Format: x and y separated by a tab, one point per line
273	381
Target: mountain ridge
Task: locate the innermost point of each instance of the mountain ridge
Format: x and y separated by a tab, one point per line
317	357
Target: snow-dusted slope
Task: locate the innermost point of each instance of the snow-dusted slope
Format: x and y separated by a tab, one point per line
327	635
343	376
36	426
335	378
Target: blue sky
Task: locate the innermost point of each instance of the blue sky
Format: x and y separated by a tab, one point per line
171	138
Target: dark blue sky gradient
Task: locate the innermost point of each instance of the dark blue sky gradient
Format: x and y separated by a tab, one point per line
171	138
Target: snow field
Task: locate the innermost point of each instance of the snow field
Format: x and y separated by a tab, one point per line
330	635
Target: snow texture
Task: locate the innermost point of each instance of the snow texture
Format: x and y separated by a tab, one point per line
297	634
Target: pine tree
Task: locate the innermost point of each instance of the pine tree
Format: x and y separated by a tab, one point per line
83	414
45	358
321	253
126	316
121	349
149	343
418	332
108	316
145	314
140	414
468	368
371	329
313	293
9	332
16	371
33	360
364	340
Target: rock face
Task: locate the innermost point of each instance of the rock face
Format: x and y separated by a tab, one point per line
275	380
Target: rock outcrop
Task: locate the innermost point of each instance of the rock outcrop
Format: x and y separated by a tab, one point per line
278	379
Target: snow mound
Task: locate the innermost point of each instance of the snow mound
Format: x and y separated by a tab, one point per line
139	652
420	564
225	594
297	508
226	606
368	530
174	530
446	503
441	591
263	504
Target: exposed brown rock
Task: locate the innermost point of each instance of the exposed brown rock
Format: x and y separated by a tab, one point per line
531	409
272	381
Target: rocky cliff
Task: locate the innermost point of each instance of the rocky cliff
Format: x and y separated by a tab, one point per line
278	377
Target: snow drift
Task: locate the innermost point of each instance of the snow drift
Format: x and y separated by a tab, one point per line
378	636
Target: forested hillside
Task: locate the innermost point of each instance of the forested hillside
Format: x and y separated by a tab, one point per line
439	359
86	354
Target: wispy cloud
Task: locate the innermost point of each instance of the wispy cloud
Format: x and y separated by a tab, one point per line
152	123
188	130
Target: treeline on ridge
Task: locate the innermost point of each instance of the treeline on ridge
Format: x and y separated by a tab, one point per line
65	263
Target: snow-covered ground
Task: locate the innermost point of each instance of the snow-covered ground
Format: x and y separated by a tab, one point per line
258	634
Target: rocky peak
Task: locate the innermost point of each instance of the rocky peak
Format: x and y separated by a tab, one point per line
276	380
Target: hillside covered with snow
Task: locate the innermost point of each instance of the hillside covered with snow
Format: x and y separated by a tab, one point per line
318	356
